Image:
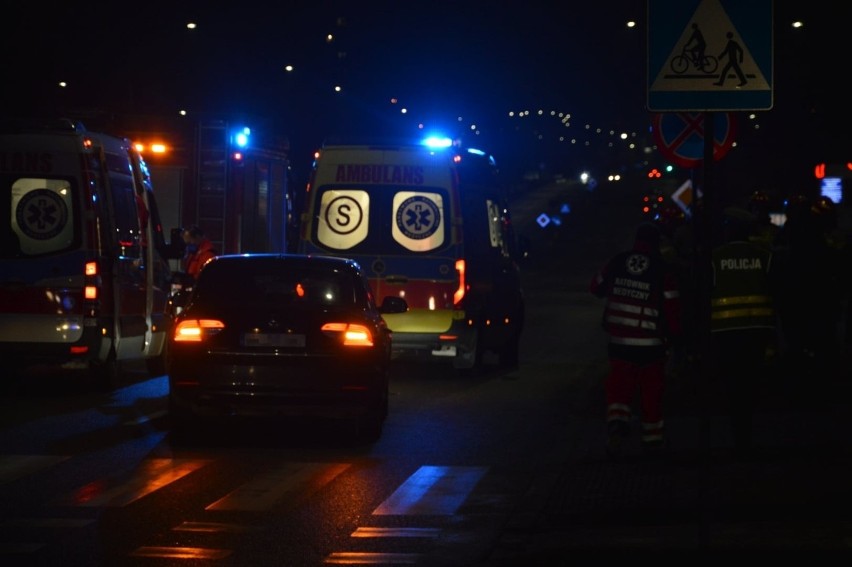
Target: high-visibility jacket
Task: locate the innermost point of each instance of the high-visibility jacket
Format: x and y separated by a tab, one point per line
642	299
194	261
741	297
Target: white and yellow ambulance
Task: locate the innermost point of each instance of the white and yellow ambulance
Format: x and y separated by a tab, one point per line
430	223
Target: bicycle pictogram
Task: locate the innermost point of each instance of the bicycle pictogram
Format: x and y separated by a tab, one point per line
680	64
693	55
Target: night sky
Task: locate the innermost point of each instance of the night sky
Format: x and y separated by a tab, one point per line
440	60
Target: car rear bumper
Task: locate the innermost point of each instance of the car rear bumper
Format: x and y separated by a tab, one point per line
455	344
271	391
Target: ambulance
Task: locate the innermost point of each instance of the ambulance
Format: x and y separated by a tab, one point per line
83	280
429	222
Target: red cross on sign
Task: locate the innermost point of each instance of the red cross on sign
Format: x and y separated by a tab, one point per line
680	136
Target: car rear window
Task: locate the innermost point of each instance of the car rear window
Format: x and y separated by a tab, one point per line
265	282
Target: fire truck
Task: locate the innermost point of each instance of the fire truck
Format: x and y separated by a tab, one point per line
232	180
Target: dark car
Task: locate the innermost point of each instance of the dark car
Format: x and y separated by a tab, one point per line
278	336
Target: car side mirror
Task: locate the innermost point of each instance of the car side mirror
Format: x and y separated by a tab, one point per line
393	304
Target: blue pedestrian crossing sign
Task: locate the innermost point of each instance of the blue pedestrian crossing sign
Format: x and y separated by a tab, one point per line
706	55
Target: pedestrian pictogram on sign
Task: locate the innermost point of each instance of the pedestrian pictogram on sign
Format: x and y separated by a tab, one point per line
709	55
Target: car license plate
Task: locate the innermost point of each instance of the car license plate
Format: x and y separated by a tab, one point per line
274	340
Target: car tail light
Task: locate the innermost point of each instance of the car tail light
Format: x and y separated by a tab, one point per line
349	333
197	330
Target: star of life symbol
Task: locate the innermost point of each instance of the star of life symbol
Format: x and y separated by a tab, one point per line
42	214
418	217
638	263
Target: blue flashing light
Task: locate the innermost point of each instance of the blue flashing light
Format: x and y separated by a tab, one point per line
241	137
475	152
436	142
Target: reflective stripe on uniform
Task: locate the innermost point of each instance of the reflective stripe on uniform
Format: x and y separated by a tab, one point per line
618	412
741	300
652	432
629	322
742	313
630	308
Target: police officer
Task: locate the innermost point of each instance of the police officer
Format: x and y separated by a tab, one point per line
642	317
742	320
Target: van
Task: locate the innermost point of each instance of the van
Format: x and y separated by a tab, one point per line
83	279
429	223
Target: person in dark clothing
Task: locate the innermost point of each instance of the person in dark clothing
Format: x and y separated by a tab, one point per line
812	285
742	320
642	317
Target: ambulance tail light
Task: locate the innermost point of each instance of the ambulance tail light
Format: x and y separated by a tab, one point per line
92	277
460	291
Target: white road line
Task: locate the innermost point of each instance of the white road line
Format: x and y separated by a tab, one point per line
152	475
212	527
355	558
140	419
180	552
432	490
296	480
396	532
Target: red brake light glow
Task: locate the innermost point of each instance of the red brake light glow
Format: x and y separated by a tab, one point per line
350	333
196	330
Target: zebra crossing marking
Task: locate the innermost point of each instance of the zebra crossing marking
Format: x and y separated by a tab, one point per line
180	552
367	532
264	491
432	491
152	475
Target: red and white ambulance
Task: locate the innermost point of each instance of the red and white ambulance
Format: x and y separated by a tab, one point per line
83	280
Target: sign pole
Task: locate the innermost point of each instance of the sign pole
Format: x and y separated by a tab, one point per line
702	286
706	241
